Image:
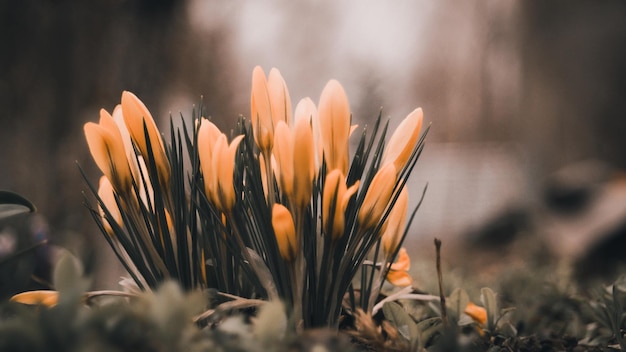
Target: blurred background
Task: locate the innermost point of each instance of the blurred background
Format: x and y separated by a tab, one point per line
525	98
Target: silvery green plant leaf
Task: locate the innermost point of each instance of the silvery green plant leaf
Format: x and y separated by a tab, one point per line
270	324
456	304
13	204
488	298
402	320
68	275
427	328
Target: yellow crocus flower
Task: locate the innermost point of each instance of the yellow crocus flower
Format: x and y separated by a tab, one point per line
217	162
285	232
284	154
334	120
303	161
403	140
280	103
105	192
261	112
336	195
135	116
395	223
377	197
107	149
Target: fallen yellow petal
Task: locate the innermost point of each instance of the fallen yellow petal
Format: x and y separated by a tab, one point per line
47	298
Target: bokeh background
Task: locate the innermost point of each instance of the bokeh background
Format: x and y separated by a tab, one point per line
525	98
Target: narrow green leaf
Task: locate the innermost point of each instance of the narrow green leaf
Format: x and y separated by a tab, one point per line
13	204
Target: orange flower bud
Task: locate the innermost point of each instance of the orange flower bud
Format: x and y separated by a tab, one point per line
285	232
136	115
44	297
403	140
395	223
105	192
217	162
377	197
336	196
306	110
107	149
334	119
280	102
303	162
261	112
283	152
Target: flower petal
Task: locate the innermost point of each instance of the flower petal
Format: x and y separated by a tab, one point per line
403	140
279	98
44	297
399	278
334	118
477	313
105	192
283	152
396	223
403	262
303	162
261	112
107	150
136	115
285	231
377	197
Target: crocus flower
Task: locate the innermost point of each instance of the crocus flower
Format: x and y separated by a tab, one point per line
285	232
136	115
47	298
403	140
295	159
105	192
217	161
398	272
280	102
107	149
303	161
261	112
377	197
395	223
306	110
334	119
283	152
336	196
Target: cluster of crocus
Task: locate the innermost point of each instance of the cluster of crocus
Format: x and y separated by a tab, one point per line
283	211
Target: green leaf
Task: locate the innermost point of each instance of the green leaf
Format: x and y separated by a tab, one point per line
427	328
456	304
402	320
68	274
13	204
488	298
